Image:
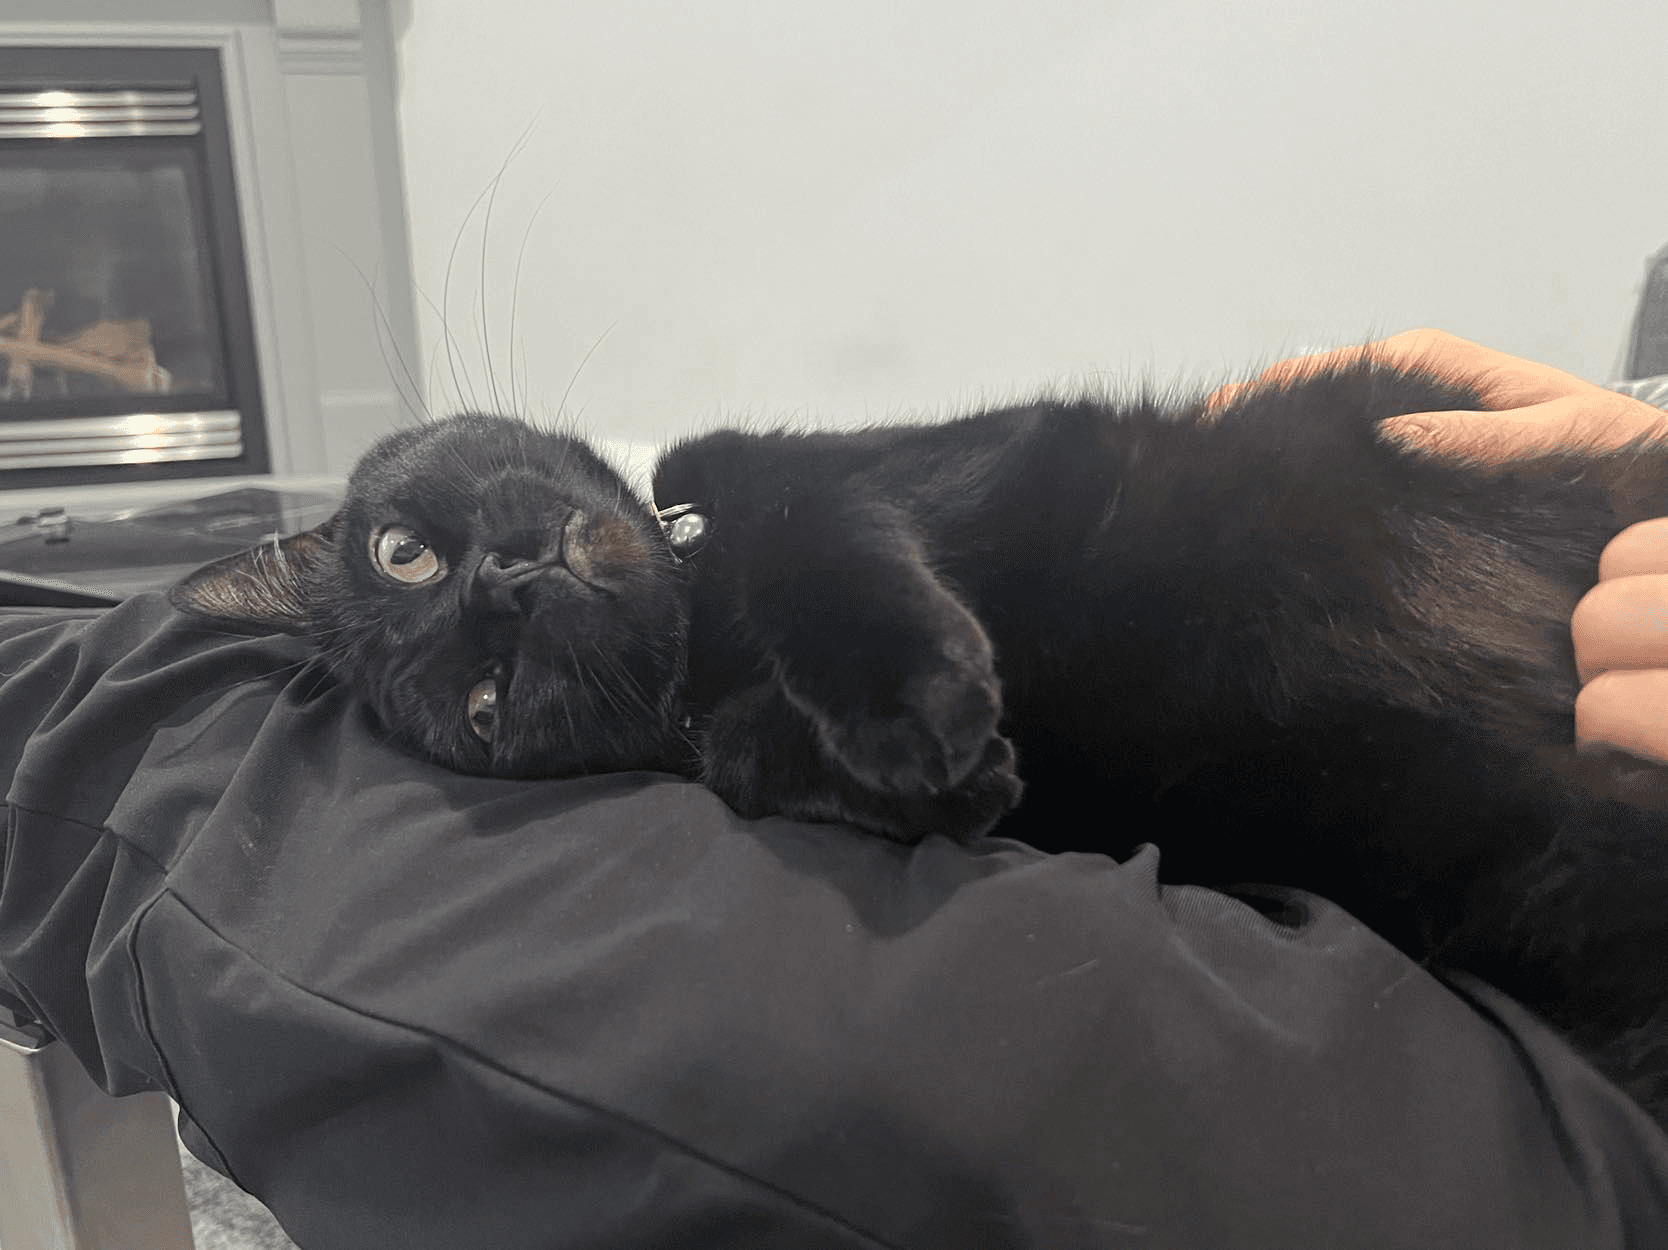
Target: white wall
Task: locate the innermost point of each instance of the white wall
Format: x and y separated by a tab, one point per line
844	211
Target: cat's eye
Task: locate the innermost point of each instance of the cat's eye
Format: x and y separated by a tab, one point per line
481	706
402	554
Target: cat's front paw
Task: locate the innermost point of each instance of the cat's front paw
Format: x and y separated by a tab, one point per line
931	735
965	811
765	758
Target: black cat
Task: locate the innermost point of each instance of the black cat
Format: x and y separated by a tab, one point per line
1278	645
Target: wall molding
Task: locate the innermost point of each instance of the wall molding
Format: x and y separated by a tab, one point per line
321	54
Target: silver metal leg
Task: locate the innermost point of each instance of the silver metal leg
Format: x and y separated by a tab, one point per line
80	1170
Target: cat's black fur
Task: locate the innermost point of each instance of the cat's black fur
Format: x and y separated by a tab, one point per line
1273	642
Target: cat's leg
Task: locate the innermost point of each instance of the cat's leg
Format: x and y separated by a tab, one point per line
892	672
897	676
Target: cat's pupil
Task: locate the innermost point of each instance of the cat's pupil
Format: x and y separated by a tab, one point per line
481	706
407	551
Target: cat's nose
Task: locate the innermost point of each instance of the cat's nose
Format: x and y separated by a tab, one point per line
498	579
502	580
495	570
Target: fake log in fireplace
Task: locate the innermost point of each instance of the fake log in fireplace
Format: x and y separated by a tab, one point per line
125	333
115	351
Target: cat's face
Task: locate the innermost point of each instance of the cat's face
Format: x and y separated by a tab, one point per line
498	596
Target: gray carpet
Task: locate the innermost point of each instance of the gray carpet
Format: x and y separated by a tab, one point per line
223	1217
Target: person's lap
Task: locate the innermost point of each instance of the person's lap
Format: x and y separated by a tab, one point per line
406	1007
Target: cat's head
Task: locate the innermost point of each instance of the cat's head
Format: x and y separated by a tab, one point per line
500	598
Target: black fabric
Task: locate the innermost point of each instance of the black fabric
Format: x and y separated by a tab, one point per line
413	1009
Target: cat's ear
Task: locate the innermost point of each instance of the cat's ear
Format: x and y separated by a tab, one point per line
275	585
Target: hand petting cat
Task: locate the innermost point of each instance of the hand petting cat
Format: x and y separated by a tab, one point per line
1621	626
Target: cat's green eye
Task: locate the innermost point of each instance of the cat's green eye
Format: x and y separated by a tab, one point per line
402	554
482	708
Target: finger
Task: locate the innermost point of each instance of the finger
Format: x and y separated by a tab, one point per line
1434	350
1622	624
1626	709
1590	420
1503	381
1224	395
1641	548
1303	366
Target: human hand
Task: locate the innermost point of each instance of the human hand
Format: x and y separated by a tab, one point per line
1620	628
1528	408
1621	645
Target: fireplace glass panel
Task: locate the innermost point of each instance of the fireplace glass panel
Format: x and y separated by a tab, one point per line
109	275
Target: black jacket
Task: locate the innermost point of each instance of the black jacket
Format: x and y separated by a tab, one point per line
410	1009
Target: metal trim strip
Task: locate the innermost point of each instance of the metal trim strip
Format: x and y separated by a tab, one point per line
95	99
117	427
145	438
97	130
149	455
21	116
98	114
132	442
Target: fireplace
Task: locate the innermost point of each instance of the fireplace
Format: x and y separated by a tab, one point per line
126	339
238	279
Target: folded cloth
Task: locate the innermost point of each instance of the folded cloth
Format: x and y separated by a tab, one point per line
413	1009
1652	390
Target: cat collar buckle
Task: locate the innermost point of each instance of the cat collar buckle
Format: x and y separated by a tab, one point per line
686	529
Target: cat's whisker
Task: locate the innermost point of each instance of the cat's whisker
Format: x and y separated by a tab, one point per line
625	697
405	382
561	407
453	358
480	294
486	232
464	392
519	397
642	696
567	705
470	479
294	668
447	342
477	302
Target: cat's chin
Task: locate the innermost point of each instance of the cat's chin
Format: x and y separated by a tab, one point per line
538	743
669	754
558	710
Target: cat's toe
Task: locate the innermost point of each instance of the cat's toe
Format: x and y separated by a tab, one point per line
972	809
961	715
766	758
964	812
